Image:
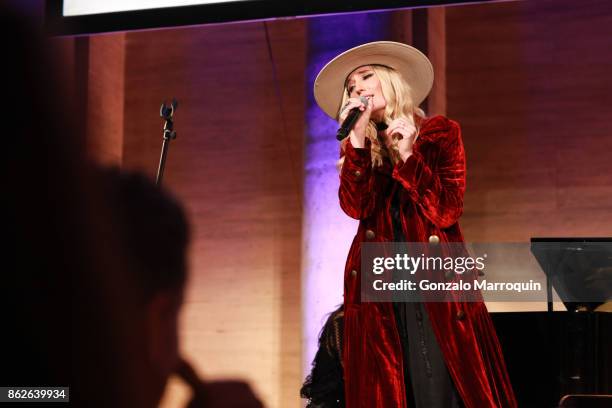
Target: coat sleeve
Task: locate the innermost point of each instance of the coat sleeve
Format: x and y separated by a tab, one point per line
437	188
355	193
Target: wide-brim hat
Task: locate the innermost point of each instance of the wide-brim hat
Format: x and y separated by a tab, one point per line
412	64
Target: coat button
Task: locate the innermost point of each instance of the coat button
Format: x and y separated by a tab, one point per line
370	234
357	173
353	273
460	315
434	239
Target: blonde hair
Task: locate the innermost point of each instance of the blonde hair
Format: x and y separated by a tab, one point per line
398	95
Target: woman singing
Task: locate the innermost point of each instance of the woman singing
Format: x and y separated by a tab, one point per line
403	177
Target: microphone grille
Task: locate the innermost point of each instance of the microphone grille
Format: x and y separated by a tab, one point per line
364	100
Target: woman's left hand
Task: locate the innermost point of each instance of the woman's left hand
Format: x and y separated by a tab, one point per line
405	132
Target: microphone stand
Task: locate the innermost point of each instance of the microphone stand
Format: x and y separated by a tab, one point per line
168	114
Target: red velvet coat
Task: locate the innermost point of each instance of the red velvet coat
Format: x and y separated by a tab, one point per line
432	183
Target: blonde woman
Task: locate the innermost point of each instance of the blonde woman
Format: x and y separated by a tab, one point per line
403	177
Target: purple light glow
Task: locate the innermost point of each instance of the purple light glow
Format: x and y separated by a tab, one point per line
328	232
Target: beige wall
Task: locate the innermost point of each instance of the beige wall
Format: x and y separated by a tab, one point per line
237	168
529	82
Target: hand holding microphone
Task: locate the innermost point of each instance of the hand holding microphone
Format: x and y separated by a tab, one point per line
354	120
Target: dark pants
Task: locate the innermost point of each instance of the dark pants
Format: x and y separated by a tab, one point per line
428	382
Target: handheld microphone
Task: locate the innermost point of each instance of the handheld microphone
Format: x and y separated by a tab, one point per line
350	120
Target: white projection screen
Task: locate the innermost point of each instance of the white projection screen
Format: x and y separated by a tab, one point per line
70	17
72	8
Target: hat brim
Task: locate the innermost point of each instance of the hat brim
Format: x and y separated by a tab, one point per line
412	64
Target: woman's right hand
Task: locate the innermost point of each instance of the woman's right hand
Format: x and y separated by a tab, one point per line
358	132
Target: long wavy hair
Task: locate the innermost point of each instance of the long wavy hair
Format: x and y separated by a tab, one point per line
398	95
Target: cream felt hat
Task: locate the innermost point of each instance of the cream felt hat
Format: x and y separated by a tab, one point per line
411	63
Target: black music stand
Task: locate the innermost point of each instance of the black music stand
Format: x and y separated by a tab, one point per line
580	270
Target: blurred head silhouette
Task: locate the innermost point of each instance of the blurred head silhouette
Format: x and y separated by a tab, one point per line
153	232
